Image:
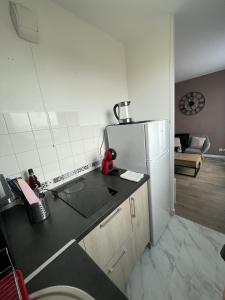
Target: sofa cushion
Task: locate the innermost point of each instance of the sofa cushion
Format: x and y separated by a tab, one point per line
197	142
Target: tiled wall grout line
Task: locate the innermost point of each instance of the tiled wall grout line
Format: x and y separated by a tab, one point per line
74	163
53	141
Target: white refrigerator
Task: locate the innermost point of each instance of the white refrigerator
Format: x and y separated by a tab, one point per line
144	147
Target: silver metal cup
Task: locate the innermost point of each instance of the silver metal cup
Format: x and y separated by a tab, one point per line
39	211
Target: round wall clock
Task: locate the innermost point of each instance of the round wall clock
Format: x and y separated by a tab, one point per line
192	103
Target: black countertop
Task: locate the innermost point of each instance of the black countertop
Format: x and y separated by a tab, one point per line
82	273
32	244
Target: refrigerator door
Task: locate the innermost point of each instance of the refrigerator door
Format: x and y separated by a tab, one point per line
129	143
159	195
157	136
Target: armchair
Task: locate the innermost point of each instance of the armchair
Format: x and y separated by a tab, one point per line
204	148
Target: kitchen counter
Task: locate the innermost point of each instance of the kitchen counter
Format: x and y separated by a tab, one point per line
75	268
33	244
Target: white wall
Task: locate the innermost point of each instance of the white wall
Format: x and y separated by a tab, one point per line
148	68
150	76
75	66
80	68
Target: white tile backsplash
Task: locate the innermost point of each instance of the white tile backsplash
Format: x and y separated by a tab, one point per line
38	120
17	122
87	131
90	156
75	133
3	128
23	141
43	138
89	145
97	131
57	119
5	145
12	176
77	147
67	164
63	150
47	155
97	143
80	160
72	118
51	170
60	135
8	165
27	160
39	173
52	144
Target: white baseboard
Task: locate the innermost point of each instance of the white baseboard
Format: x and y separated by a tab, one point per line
214	156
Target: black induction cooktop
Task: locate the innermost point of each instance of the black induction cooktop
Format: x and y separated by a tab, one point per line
85	196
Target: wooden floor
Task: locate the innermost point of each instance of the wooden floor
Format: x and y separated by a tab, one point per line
202	199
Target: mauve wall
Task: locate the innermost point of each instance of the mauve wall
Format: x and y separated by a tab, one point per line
211	120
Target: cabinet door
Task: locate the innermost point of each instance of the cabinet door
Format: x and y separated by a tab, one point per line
122	264
102	243
140	218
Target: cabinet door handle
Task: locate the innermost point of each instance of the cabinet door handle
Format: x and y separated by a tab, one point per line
110	270
133	205
111	217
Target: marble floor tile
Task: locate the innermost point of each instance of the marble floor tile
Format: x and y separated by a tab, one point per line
157	267
173	238
184	265
135	288
217	295
192	277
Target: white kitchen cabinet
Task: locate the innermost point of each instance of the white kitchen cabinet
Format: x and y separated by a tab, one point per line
122	263
140	218
104	241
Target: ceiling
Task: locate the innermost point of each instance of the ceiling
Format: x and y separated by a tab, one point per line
199	27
